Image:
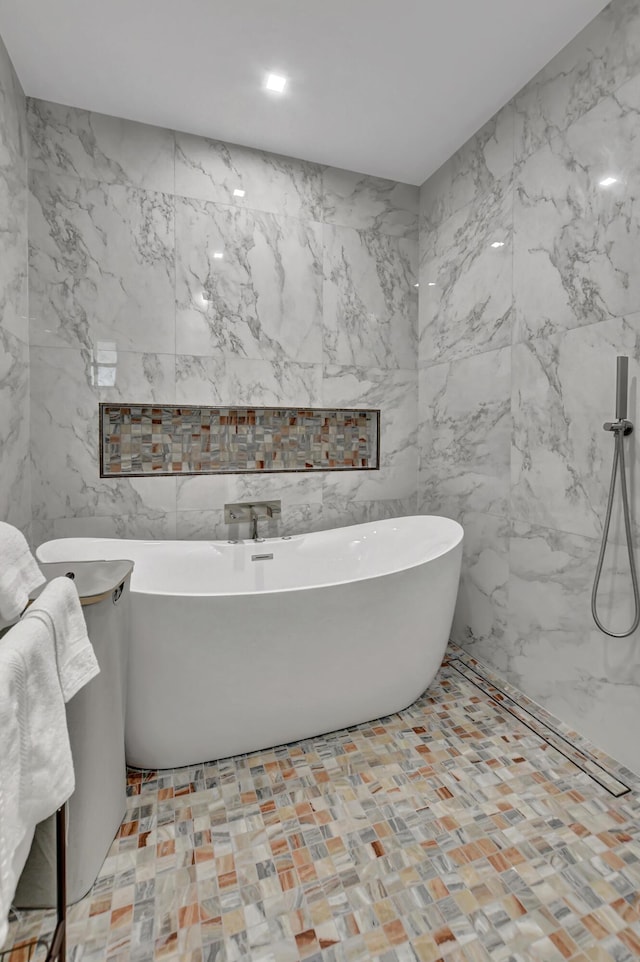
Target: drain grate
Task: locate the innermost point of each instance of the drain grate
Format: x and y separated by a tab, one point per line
586	763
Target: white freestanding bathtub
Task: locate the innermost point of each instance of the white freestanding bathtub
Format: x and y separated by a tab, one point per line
237	647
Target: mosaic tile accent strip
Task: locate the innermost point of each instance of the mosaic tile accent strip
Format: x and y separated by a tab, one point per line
138	440
449	831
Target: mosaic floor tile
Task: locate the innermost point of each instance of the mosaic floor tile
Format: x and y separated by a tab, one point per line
451	831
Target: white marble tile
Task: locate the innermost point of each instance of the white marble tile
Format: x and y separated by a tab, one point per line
339	513
575	240
598	61
154	525
563	391
245	381
65	437
555	652
93	146
212	170
480	621
212	492
390	483
466	283
13	203
203	525
370	301
15	492
393	392
465	434
262	298
101	265
479	166
369	203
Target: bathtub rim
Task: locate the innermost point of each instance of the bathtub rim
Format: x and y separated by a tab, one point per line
371	576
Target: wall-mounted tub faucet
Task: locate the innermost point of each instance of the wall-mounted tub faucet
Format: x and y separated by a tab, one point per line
252	511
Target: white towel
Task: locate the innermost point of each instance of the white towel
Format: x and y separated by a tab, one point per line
59	608
19	573
36	769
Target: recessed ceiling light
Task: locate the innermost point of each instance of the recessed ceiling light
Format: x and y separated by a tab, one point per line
276	82
218	255
416	285
608	181
431	284
238	192
498	244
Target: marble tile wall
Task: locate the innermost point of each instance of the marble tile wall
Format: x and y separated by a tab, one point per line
529	288
312	303
15	494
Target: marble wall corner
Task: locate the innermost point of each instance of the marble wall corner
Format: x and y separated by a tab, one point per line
15	489
210	170
369	203
464	436
480	622
485	160
466	280
13	203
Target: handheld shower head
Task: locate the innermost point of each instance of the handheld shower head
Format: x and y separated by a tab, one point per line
622	381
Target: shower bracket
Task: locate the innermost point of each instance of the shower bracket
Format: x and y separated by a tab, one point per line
621	425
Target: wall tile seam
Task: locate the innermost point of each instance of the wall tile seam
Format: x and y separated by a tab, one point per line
520	160
481	196
427	365
410	235
547	141
173	198
535	525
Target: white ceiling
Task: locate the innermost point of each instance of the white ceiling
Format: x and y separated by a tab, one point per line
386	87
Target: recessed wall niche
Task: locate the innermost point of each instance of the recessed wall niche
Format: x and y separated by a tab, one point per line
142	440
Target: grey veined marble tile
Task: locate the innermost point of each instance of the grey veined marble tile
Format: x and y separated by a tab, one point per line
248	284
254	179
13	203
93	146
466	283
465	434
393	392
563	391
602	57
369	203
576	220
370	299
15	500
480	620
247	381
65	438
550	624
475	169
101	265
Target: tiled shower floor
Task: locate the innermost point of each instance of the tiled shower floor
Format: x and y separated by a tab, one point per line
448	831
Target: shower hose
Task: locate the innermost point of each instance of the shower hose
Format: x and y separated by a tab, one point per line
619	428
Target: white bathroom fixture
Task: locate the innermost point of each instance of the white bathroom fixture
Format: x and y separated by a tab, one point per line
236	647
